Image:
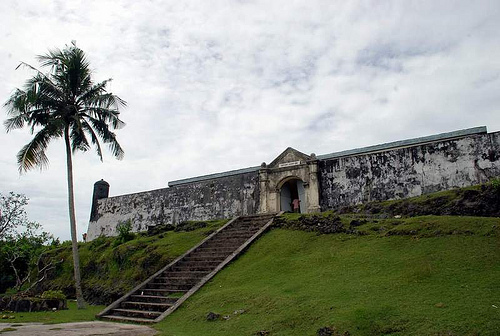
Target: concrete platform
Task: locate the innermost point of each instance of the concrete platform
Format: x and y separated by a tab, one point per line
76	329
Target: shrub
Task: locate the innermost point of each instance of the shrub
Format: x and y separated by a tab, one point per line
124	234
53	295
495	183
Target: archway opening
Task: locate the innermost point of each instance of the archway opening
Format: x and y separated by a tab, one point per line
292	190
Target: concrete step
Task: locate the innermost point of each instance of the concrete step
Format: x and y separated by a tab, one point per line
245	225
257	216
164	292
149	306
215	250
228	242
127	318
190	268
222	244
169	286
240	230
181	280
153	299
136	313
211	254
201	258
234	236
178	274
198	263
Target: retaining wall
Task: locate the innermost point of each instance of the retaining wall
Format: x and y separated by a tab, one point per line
411	171
223	197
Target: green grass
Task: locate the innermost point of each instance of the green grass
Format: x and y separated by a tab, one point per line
72	314
433	276
427	275
109	271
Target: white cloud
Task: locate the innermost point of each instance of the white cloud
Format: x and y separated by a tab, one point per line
220	85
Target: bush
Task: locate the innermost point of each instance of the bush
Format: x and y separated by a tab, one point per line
124	234
495	183
53	295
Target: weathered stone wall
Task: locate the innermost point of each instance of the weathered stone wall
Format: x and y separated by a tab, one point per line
222	197
411	171
411	168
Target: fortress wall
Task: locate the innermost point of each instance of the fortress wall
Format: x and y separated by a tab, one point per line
410	171
222	197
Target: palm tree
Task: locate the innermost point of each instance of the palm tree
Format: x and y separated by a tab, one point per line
65	103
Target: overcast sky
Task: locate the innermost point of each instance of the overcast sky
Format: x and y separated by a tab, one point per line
220	85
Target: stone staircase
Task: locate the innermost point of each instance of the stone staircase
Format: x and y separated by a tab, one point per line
167	289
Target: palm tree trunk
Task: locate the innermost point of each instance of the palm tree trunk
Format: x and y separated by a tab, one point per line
72	221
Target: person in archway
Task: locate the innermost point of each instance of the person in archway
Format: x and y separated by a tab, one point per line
296	205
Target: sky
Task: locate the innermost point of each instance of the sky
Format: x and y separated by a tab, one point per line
217	85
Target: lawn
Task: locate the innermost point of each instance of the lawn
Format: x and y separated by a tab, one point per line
430	276
427	275
72	314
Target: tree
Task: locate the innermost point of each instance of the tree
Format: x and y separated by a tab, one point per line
12	213
20	250
65	103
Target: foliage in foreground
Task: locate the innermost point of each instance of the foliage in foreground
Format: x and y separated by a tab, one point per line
111	267
12	213
22	244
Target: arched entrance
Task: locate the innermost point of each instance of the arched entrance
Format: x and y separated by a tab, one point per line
292	174
291	189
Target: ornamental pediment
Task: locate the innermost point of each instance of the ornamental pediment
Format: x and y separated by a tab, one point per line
289	158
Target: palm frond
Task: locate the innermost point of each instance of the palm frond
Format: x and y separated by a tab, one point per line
108	137
77	135
110	116
29	66
15	122
51	59
64	97
93	92
94	138
33	154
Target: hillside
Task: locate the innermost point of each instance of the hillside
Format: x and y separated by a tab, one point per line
419	276
110	269
361	273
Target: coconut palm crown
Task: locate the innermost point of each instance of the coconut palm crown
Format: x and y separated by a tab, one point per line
65	103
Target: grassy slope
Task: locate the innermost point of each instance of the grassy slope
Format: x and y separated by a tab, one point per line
439	274
424	275
108	271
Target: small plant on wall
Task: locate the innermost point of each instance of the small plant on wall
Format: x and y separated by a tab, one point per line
124	235
495	183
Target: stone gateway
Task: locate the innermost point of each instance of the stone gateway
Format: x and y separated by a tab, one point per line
382	172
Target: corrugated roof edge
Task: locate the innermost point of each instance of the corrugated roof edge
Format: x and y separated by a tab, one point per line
213	176
406	143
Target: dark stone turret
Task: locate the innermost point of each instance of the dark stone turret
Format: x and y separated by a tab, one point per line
101	190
